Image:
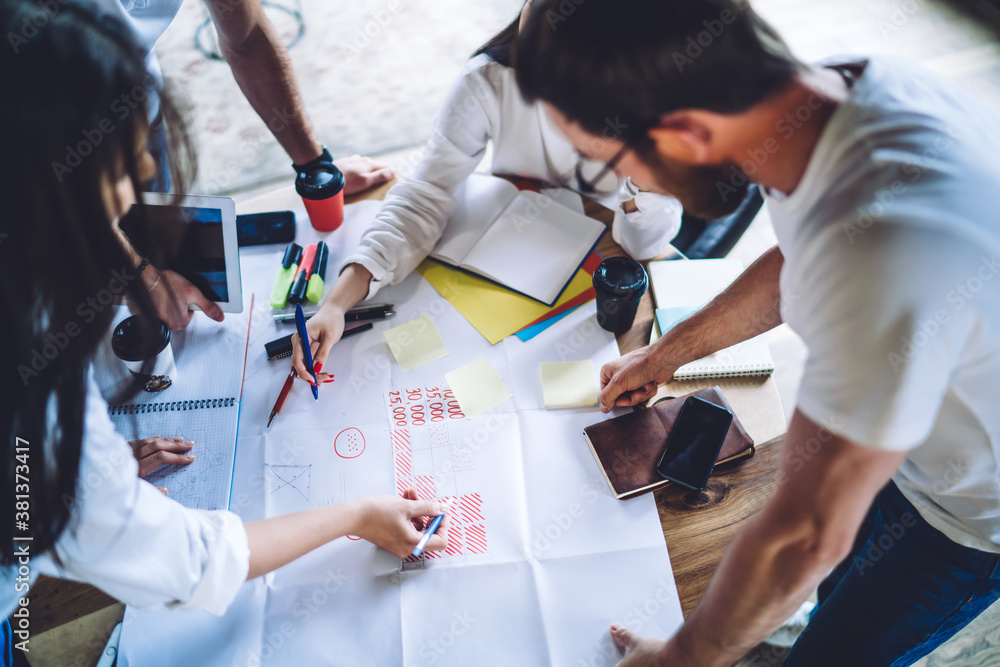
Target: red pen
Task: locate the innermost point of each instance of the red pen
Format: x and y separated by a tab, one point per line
297	294
282	396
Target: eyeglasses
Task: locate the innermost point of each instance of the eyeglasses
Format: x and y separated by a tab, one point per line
589	186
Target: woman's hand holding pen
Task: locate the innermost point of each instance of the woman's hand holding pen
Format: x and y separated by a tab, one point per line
389	522
327	326
397	524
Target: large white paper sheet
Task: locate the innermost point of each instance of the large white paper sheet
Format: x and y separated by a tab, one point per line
168	638
541	558
339	619
583	595
571	510
488	615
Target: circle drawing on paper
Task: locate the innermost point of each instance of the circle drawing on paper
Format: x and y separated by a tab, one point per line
349	443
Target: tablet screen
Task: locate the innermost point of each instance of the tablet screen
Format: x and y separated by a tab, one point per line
201	255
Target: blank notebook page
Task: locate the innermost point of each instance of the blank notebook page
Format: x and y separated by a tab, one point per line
535	254
678	283
478	201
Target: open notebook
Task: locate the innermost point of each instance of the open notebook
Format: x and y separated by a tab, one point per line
202	404
523	240
680	287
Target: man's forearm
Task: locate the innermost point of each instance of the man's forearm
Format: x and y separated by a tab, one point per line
808	525
750	306
263	70
761	581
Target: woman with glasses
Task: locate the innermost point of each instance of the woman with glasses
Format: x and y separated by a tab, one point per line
484	106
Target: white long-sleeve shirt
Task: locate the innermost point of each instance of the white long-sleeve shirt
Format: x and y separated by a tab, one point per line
486	105
131	541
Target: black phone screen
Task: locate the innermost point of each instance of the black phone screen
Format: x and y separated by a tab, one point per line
694	443
265	228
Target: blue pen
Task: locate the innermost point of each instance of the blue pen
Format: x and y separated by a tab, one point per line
300	326
431	529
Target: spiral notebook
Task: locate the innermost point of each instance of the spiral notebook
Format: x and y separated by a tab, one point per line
681	287
202	404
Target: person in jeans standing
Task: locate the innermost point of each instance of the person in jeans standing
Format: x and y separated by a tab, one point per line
881	181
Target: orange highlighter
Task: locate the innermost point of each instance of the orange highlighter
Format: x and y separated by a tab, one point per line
301	283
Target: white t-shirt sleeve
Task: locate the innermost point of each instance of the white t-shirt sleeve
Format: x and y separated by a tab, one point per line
416	209
131	541
884	330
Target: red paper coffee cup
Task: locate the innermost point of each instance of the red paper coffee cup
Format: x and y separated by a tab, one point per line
322	190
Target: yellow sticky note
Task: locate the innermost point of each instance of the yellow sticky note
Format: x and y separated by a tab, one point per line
477	387
495	311
415	343
568	384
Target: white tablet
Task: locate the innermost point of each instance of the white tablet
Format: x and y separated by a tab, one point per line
208	255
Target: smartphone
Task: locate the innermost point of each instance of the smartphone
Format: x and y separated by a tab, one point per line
694	443
265	228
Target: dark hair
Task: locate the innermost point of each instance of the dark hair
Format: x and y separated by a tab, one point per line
625	63
500	47
74	117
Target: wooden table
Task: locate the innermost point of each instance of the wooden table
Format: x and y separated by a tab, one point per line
72	621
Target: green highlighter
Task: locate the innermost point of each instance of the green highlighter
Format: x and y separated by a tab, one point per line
315	290
283	283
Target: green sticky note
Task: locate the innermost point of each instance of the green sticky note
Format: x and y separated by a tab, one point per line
477	387
568	384
415	343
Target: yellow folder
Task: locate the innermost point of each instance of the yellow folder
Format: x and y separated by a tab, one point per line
495	311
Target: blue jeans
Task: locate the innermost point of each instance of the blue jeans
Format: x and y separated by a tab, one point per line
904	591
6	644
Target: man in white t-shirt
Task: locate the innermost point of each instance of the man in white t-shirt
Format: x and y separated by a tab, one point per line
884	189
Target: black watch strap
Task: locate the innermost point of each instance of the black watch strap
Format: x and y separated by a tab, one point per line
324	158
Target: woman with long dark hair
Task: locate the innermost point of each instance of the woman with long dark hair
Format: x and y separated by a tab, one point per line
73	155
484	107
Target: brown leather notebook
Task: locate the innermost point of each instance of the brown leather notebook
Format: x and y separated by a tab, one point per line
628	447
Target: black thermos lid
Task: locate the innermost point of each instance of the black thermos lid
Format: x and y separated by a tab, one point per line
138	338
620	277
320	181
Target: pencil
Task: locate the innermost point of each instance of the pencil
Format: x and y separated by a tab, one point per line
281	397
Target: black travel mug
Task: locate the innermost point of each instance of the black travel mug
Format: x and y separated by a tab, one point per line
137	340
619	282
